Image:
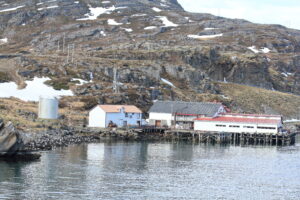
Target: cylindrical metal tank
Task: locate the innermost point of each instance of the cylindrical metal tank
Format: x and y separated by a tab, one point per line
48	108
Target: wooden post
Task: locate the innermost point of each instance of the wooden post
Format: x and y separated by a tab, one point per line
234	138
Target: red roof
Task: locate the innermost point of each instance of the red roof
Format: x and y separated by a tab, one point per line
239	120
117	108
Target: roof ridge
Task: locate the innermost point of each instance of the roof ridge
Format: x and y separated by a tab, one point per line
188	102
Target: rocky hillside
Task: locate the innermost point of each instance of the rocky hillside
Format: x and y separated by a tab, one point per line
159	51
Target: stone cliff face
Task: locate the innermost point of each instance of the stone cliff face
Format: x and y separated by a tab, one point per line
147	41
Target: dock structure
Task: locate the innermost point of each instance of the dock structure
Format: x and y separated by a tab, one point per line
223	137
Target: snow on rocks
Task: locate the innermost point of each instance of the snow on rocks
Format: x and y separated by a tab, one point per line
103	33
286	74
207	29
265	50
3	41
156	9
262	50
113	22
49	7
150	27
167	82
127	29
11	9
81	81
166	22
96	12
139	15
205	36
33	91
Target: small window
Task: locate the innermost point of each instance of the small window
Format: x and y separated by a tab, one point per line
263	127
220	125
248	126
234	126
126	114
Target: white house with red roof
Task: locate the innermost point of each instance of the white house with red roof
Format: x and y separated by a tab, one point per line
240	123
120	115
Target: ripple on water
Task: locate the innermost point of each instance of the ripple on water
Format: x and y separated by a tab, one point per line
156	171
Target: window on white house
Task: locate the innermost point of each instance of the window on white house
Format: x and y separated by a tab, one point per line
263	127
248	126
220	125
234	126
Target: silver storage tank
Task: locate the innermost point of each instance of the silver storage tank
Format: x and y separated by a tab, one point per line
48	108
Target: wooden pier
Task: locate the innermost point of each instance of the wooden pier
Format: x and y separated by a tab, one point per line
223	138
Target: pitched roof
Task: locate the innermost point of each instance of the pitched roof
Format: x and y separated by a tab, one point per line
239	120
252	115
117	108
197	108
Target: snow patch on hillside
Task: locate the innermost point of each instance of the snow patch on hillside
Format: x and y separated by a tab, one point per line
113	22
205	36
150	27
49	7
3	41
156	9
167	82
33	91
96	12
207	29
139	15
262	50
167	22
11	9
127	29
81	81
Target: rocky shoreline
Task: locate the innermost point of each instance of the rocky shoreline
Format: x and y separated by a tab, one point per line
50	139
65	136
16	145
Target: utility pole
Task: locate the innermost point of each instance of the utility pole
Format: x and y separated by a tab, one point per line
73	53
68	54
115	82
58	46
64	41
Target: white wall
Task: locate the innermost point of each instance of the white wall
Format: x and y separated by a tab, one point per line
119	118
211	126
161	116
97	117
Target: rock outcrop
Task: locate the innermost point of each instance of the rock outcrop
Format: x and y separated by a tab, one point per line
11	144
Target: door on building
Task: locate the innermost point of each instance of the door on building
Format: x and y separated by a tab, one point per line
139	123
158	123
124	123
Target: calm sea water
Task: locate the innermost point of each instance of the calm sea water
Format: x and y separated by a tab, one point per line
156	171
